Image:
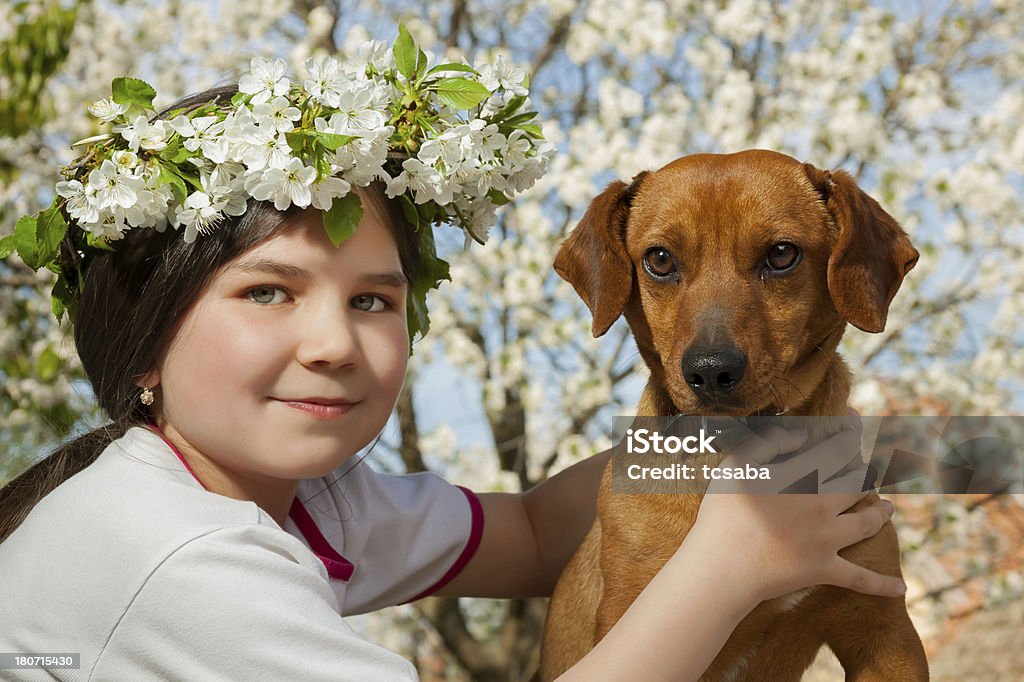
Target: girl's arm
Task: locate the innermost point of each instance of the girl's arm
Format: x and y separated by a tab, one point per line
745	547
687	612
529	538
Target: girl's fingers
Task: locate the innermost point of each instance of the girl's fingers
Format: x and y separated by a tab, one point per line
851	483
852	527
765	446
828	457
853	577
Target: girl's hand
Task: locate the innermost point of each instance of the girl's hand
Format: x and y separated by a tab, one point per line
772	544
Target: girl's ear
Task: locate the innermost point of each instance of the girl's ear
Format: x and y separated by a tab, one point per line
150	380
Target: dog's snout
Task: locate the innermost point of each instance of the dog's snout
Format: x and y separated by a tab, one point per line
713	372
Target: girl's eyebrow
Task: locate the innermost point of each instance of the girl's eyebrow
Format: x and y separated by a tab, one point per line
390	279
274	267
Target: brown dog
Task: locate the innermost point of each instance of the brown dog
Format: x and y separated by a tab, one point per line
737	274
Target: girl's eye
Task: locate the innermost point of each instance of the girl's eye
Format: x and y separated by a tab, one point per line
267	295
369	303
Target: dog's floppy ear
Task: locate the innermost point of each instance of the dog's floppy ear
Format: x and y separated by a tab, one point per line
593	258
871	256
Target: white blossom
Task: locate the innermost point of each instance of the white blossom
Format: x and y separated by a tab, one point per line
278	113
285	186
359	110
114	188
198	214
106	109
202	132
326	81
325	191
142	133
266	148
266	80
82	204
501	75
375	53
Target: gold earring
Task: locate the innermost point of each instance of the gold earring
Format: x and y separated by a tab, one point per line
147	396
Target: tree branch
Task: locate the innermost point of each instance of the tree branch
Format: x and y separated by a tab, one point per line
485	662
556	41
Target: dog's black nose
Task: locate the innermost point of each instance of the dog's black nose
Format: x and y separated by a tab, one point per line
713	372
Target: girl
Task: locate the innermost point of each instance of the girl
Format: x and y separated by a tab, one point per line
219	528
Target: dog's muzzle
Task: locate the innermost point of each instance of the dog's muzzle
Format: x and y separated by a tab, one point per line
712	373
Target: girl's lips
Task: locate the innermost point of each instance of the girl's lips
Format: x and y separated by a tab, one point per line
319	410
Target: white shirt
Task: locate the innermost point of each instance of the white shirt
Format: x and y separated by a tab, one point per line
136	567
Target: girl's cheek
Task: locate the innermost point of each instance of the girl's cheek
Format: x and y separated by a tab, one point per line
392	356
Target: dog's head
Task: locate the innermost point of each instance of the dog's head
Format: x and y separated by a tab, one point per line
736	273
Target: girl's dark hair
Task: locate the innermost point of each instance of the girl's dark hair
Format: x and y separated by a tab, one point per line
131	303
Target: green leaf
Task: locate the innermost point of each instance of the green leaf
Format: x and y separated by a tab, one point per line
453	67
406	53
61	298
97	242
343	217
169	175
175	152
133	91
57	307
333	141
512	106
25	241
498	197
191	179
421	65
461	93
297	140
412	216
50	230
434	271
519	119
48	364
323	167
6	246
532	130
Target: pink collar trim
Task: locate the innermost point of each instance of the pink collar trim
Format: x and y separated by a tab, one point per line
338	567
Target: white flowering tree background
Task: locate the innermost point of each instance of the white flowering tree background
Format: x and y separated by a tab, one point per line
922	103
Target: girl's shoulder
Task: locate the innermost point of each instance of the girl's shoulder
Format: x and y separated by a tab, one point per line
138	487
90	548
133	546
120	517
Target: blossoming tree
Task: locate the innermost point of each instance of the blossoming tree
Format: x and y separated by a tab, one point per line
922	104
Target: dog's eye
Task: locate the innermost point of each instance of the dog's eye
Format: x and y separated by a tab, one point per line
659	262
783	256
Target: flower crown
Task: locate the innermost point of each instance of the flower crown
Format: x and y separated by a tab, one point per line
452	142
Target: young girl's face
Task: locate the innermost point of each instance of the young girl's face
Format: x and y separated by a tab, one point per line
293	357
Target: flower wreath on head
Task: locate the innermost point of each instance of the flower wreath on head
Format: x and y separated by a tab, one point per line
452	142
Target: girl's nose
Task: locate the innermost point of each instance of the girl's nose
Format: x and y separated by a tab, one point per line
328	339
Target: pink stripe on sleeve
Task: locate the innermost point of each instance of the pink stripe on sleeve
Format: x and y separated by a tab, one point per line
338	567
476	532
